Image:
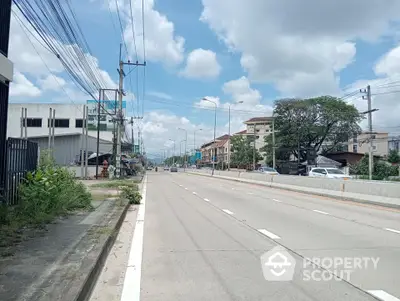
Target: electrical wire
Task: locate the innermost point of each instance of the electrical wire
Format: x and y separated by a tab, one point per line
121	27
133	29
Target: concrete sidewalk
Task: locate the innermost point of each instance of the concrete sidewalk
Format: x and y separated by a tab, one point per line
62	262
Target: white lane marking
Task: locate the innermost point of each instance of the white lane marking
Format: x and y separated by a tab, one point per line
186	188
382	295
207	200
278	201
233	188
194	193
322	212
131	288
269	234
227	211
250	193
393	230
180	185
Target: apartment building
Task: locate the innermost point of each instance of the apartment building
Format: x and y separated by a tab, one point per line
360	143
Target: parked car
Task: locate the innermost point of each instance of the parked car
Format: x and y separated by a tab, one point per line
174	169
268	170
330	173
166	168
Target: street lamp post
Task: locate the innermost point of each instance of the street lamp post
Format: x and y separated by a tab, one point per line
215	128
229	134
173	155
185	157
194	142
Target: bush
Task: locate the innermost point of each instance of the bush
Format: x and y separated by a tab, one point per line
48	192
131	194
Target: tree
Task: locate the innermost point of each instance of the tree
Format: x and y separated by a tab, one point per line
321	123
242	152
394	156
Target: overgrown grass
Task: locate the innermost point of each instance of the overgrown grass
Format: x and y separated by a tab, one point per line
116	184
45	194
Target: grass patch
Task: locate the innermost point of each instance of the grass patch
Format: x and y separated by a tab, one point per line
45	194
96	196
116	184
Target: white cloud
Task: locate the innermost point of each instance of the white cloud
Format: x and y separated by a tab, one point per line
52	82
161	95
22	87
298	46
203	103
162	43
201	64
35	60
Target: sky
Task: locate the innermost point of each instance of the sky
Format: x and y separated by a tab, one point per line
238	54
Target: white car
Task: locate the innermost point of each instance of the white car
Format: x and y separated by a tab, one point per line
330	173
268	170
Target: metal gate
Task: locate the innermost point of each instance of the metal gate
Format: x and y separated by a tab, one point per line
21	158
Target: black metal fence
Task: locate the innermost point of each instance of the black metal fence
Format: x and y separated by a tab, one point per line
21	158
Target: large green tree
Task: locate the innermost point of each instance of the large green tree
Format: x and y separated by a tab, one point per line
243	151
322	123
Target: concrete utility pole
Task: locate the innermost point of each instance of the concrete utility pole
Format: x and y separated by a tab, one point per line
254	149
215	129
50	124
85	125
101	94
120	115
83	154
371	142
273	144
371	157
26	123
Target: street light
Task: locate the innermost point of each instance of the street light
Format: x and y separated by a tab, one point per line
173	155
215	128
229	134
185	158
194	142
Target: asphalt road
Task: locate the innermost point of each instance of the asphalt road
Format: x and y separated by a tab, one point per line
204	239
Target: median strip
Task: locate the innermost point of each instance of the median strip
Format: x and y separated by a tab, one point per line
269	234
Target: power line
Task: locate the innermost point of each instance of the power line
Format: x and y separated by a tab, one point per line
121	27
133	29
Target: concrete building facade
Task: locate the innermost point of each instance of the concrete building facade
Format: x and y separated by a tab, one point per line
67	132
360	144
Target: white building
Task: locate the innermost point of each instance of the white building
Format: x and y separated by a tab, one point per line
68	129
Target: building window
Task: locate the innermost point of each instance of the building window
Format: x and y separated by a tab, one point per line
373	136
355	148
374	147
257	137
78	123
354	138
33	122
257	131
59	123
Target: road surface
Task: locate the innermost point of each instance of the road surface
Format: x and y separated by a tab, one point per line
204	239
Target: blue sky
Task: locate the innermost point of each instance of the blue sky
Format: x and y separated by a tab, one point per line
228	51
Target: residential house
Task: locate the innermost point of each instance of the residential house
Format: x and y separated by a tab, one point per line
360	143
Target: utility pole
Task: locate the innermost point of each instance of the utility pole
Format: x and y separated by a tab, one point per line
120	115
371	144
371	158
83	154
132	137
273	144
50	124
101	94
85	125
26	123
254	149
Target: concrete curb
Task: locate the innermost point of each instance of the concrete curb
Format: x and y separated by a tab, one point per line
294	189
90	281
87	287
